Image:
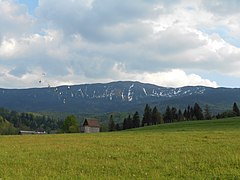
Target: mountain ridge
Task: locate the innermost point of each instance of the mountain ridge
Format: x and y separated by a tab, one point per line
114	96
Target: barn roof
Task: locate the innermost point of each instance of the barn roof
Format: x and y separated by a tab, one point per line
91	123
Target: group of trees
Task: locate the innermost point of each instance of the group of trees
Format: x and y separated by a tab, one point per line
231	113
6	128
131	122
171	114
128	123
235	109
11	122
27	121
70	125
151	116
189	113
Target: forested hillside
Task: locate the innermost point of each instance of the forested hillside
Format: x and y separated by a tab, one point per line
124	96
12	122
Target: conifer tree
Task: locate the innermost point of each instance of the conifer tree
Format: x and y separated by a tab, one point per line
174	114
192	114
185	114
156	116
180	115
125	124
236	109
168	118
136	120
207	113
117	127
111	124
197	112
129	122
147	116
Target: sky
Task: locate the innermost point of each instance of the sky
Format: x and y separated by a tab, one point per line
170	43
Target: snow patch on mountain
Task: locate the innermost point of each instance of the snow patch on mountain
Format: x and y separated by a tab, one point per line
144	90
130	93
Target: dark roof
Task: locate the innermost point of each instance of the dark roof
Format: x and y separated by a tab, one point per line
91	123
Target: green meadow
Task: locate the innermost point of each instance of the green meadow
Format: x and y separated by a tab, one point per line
186	150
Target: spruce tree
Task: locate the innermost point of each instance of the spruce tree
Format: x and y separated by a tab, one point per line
111	124
197	112
117	127
125	124
174	114
129	122
192	114
180	115
185	115
136	120
236	109
189	113
156	116
147	116
168	118
207	113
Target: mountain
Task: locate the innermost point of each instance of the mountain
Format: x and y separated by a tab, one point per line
114	96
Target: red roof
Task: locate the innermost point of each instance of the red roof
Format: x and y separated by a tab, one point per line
91	123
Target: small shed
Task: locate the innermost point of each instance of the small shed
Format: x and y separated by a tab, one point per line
90	126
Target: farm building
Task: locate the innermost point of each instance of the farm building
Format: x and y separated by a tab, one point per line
90	126
30	132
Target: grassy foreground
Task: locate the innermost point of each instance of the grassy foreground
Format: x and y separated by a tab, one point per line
188	150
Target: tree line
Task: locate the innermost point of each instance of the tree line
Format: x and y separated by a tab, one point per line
230	113
171	114
14	121
11	121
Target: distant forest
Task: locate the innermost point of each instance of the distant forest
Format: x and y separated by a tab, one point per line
11	121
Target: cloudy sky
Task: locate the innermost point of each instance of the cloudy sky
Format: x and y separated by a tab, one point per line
166	42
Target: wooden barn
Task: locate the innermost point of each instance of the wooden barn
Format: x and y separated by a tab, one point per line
90	126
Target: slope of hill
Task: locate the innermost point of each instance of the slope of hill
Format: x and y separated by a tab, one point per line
114	96
227	124
190	150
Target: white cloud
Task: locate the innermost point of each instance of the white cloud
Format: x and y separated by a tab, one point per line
103	40
7	47
171	78
14	19
177	78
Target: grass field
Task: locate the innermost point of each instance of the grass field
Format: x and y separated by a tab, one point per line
187	150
